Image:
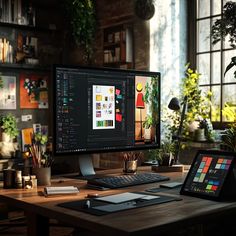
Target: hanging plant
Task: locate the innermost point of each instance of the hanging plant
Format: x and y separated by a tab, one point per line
226	26
144	9
83	23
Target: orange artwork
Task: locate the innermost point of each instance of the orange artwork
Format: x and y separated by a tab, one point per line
33	91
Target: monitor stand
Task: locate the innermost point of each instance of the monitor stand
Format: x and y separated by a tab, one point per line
86	168
86	165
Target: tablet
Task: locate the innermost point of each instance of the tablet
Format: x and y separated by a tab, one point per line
208	174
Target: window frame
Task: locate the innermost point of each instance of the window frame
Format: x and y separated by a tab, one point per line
193	53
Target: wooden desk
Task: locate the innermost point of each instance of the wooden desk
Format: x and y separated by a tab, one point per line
153	220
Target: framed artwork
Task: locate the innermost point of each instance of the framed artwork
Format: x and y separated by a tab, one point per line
33	91
7	92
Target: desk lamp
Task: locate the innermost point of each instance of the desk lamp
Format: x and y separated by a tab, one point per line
175	106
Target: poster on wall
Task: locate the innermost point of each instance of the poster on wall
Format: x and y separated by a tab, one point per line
33	91
7	92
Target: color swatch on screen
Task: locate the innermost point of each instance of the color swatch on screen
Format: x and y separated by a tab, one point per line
223	164
203	169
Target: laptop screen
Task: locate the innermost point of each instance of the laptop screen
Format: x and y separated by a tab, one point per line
208	174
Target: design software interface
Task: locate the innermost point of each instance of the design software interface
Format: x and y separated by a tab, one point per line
95	109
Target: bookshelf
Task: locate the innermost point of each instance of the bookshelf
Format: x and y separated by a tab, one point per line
118	46
28	48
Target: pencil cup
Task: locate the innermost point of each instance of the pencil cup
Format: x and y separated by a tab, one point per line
43	175
130	167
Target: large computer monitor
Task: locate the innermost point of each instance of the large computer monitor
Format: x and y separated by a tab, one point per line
103	110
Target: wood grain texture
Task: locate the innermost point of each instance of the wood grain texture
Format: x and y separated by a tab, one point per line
151	220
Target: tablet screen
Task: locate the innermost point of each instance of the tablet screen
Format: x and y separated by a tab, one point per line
208	173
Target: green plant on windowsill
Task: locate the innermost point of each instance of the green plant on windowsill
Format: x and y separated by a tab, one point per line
83	23
229	134
226	26
8	124
199	103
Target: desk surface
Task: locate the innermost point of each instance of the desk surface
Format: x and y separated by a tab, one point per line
150	220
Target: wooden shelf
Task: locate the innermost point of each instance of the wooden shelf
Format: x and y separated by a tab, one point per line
27	27
23	66
118	47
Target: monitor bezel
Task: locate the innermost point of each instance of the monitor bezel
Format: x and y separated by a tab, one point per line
221	193
93	151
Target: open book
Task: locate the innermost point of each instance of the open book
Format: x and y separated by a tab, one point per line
50	191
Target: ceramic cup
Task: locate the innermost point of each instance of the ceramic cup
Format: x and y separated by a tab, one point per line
43	175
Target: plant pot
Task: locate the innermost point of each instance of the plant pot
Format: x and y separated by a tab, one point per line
165	159
6	138
43	175
147	135
200	135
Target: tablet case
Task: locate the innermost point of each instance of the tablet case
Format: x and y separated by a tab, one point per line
226	177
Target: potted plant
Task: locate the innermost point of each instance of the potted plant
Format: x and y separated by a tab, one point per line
226	26
147	124
83	23
229	134
151	98
8	125
164	154
199	104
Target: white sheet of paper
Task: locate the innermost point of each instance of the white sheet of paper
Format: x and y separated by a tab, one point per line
121	197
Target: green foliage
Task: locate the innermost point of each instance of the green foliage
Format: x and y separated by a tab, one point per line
41	138
148	123
198	103
151	97
229	135
229	113
167	148
226	26
229	138
9	126
83	22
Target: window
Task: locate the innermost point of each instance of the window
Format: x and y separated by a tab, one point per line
211	60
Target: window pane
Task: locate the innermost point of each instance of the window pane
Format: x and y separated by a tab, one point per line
229	96
216	7
203	65
203	8
216	68
226	43
218	45
215	111
227	1
203	27
229	76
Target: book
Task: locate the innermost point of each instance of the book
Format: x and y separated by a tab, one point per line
51	191
26	137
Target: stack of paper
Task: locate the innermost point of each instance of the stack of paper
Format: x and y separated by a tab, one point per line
49	191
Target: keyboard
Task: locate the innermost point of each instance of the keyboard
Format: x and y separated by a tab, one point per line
127	180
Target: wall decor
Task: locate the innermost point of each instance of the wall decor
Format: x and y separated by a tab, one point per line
8	92
33	91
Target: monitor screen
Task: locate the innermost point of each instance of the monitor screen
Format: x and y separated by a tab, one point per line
103	110
208	174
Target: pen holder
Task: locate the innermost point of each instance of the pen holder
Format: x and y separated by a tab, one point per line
43	175
130	167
